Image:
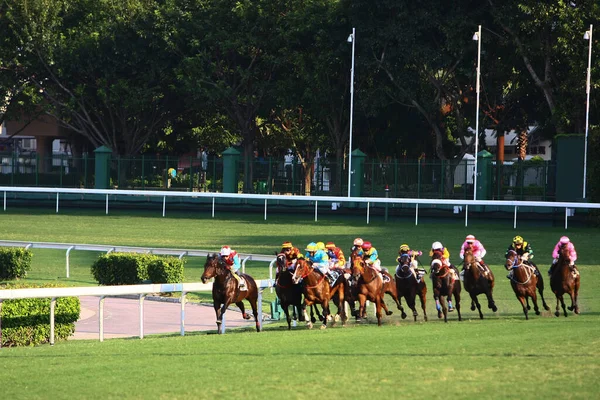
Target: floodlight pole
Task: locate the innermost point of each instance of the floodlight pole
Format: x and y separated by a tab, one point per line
477	37
587	35
351	38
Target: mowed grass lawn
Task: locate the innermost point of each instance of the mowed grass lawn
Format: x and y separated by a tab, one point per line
502	356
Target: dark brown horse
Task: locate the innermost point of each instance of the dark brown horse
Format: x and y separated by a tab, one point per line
225	290
408	287
444	284
369	286
524	282
316	290
478	281
563	282
289	294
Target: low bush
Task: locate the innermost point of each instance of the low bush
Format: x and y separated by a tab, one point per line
121	268
166	270
26	322
14	263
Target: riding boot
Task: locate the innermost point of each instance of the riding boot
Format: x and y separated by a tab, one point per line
330	278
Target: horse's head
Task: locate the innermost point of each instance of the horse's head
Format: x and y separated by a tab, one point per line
437	263
469	258
281	262
211	267
404	262
303	268
358	268
512	259
354	253
564	252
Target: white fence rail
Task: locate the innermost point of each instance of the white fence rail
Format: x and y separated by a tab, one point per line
105	291
569	207
124	249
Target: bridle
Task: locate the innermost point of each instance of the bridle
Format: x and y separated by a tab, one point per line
516	264
403	268
362	269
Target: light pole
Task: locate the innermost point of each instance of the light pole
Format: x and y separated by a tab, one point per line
351	39
477	37
587	36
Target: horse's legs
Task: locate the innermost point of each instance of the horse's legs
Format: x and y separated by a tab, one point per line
326	313
361	306
242	308
384	306
490	299
423	299
476	301
523	300
403	314
576	297
527	303
560	300
533	296
309	321
254	304
378	305
457	305
438	305
285	307
540	287
410	300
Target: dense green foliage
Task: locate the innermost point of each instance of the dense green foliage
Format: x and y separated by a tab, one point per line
173	75
132	269
26	322
14	263
166	270
121	268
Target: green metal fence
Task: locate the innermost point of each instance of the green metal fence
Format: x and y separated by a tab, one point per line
438	179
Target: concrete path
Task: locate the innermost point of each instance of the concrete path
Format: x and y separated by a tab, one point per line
121	318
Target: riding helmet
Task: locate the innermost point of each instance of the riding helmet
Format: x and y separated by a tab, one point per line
403	247
518	240
330	245
564	240
287	245
437	246
367	245
312	246
358	242
470	238
225	251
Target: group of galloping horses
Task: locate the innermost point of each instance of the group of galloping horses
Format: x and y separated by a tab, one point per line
303	286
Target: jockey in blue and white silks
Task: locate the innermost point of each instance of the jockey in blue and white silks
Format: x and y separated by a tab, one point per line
319	258
232	260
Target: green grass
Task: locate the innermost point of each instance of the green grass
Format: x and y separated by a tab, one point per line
502	356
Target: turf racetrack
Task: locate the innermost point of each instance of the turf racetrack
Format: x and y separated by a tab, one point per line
502	356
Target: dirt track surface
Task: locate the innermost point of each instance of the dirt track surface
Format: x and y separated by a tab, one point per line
121	318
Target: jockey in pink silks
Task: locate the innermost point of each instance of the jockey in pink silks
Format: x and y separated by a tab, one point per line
564	241
478	252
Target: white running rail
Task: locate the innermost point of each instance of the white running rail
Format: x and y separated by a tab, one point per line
104	291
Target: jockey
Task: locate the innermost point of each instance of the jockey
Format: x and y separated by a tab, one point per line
371	258
564	241
336	256
319	260
232	259
405	250
523	249
357	245
291	253
439	247
478	252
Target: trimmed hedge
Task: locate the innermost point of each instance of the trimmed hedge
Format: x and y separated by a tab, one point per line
166	270
14	263
133	269
26	322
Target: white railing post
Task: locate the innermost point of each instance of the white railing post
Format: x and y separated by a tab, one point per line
271	282
52	309
260	309
164	204
106	204
101	319
68	264
265	209
223	323
142	296
57	202
515	219
466	215
566	217
244	263
182	255
213	207
182	327
417	214
368	209
316	202
4	200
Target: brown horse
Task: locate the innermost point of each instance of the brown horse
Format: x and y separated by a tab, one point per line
562	281
513	260
524	282
408	287
444	285
389	287
369	286
289	294
478	281
316	290
225	290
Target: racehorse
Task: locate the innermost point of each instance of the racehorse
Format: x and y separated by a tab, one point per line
289	294
389	287
444	284
478	281
369	286
408	287
524	282
316	290
225	290
562	281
